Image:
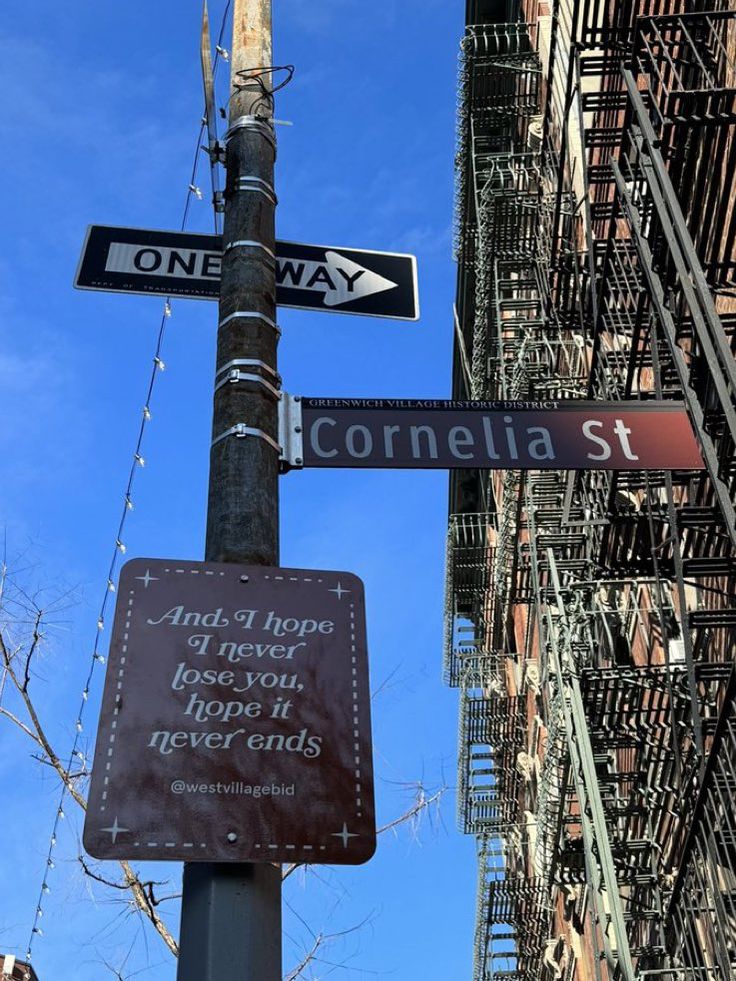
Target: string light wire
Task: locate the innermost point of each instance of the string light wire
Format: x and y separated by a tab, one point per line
96	658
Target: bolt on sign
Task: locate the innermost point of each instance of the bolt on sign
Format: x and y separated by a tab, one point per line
487	435
235	723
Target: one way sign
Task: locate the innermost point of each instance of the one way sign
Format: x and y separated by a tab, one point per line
311	277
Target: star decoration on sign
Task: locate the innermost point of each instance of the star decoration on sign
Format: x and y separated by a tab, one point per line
147	578
339	591
345	835
115	830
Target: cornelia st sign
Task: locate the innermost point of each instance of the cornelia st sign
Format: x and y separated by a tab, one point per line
431	433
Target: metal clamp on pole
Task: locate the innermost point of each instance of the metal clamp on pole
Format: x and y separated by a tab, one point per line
254	123
291	434
247	243
254	315
240	431
256	185
230	374
216	151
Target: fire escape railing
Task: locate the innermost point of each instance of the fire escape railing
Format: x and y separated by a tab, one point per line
593	650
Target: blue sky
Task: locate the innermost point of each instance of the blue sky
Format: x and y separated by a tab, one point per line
102	107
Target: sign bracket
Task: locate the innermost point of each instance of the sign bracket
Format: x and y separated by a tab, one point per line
254	315
248	183
291	434
248	243
256	123
240	430
230	374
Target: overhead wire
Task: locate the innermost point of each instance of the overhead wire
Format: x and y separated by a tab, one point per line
264	77
76	754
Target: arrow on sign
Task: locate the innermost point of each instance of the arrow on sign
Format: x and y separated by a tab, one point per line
340	279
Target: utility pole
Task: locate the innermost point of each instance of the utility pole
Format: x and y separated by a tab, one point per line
231	914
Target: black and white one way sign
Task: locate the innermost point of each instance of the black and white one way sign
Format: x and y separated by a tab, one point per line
312	277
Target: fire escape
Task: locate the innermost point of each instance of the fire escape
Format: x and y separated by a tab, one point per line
591	623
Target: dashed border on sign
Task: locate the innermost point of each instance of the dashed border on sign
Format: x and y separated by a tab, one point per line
356	714
116	711
120	669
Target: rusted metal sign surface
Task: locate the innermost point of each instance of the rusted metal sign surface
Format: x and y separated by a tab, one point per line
433	433
235	719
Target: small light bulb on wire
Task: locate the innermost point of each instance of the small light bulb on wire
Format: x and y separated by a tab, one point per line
99	658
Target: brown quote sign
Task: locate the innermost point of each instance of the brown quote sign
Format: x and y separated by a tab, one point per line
489	435
235	720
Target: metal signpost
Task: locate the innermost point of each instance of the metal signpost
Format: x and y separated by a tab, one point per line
235	721
433	433
231	912
309	277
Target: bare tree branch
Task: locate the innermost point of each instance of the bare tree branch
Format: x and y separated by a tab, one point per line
310	955
117	972
143	899
21	725
16	664
114	971
321	940
110	883
32	649
38	734
124	886
422	803
388	682
76	775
